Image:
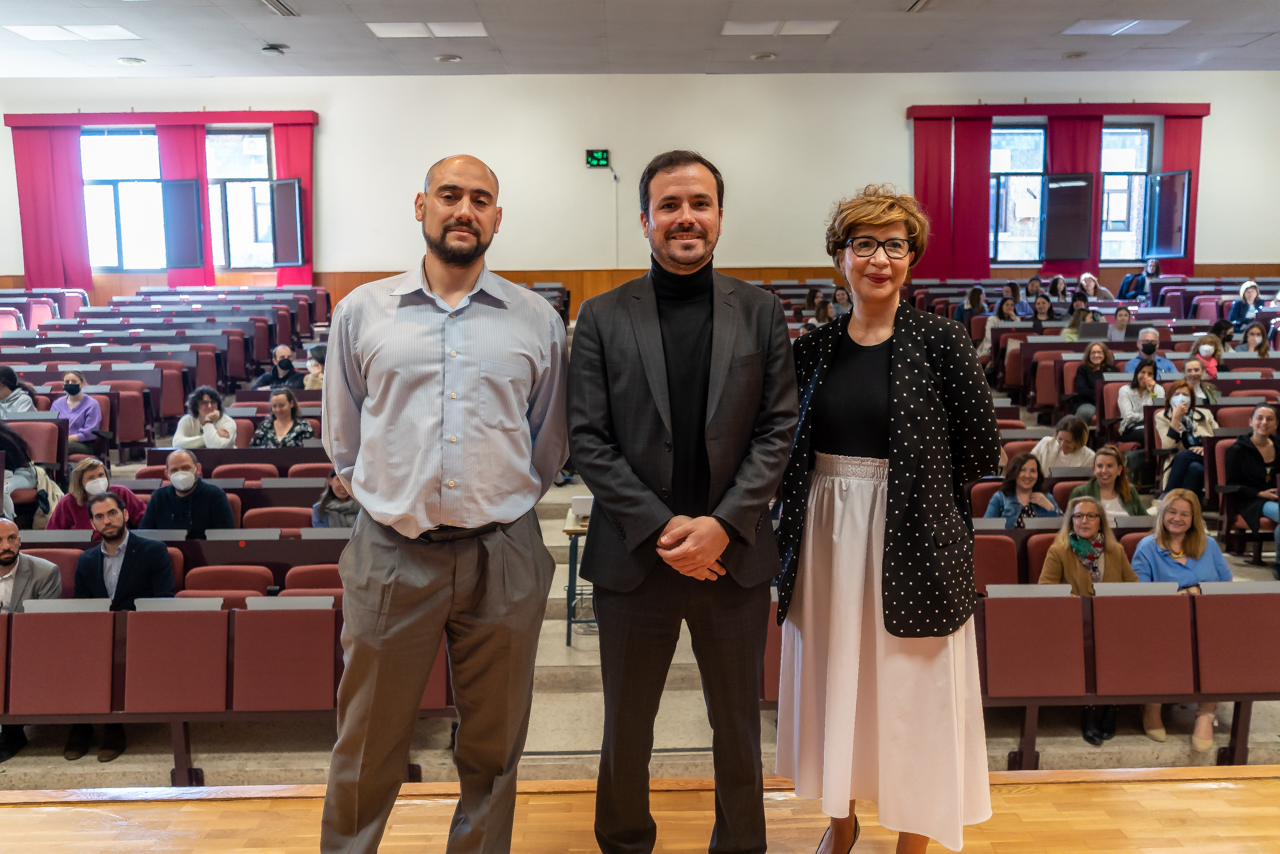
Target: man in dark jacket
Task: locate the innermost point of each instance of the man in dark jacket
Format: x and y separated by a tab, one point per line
22	578
124	567
282	373
188	502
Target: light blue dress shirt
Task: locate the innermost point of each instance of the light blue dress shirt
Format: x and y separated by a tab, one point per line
1153	563
445	416
112	564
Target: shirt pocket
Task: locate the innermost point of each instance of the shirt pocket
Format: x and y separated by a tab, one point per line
503	395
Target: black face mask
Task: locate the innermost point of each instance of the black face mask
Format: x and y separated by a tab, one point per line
71	388
1148	348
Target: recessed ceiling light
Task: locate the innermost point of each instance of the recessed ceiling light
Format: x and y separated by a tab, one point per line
45	34
400	31
764	57
131	60
749	28
1153	28
108	32
458	30
808	28
448	57
1128	27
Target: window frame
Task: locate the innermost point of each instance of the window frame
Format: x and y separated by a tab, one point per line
1146	174
115	183
221	184
997	189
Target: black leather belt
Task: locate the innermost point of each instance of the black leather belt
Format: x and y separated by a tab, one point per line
448	533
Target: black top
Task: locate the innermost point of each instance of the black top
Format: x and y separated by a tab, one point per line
1250	474
1087	385
146	573
295	379
684	316
851	406
205	507
14	459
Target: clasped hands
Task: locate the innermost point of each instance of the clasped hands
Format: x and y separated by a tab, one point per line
693	547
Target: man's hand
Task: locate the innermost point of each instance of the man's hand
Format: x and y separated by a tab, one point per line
693	544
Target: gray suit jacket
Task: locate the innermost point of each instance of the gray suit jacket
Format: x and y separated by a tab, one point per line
620	427
35	578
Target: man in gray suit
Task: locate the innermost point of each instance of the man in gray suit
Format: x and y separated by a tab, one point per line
682	406
22	578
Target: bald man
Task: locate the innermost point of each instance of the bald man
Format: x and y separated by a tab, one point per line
444	417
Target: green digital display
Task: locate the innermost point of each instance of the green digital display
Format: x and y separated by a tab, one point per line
597	158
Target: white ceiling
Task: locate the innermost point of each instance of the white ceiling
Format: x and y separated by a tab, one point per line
224	38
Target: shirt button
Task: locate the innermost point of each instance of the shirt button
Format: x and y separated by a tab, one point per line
453	438
453	395
453	314
453	352
450	484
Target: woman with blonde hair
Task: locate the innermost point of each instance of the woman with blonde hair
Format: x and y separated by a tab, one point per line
1090	285
89	478
1181	551
1246	308
876	597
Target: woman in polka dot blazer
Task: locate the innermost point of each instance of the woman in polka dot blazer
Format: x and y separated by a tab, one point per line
880	696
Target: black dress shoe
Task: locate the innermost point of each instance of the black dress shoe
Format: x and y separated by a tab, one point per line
11	744
77	741
112	742
1107	722
1089	725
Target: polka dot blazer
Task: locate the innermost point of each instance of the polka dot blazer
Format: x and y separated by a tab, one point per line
944	435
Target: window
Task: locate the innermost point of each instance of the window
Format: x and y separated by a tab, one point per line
1017	193
1126	160
123	201
239	165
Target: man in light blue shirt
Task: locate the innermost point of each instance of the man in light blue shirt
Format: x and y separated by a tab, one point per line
1148	341
444	415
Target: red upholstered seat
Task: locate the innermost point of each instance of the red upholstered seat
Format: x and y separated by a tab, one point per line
1037	548
283	660
1130	542
175	558
1012	449
982	494
229	577
42	436
995	561
1233	416
248	471
152	473
312	577
244	432
234	501
310	470
230	598
277	517
1270	394
1062	492
1035	647
131	424
1010	424
176	661
65	559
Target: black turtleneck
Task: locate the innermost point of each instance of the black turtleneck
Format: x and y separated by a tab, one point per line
684	314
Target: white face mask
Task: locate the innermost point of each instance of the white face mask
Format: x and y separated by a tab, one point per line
1179	400
182	480
313	366
97	486
1206	350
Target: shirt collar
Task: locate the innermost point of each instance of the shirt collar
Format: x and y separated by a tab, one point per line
119	549
490	284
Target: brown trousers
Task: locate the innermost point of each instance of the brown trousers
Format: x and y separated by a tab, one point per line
488	596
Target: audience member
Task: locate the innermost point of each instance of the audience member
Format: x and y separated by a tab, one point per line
124	567
1193	373
1071	332
1097	361
82	412
1182	551
1142	390
1022	494
1209	351
840	301
1042	310
282	373
1116	331
974	306
337	508
1180	426
284	427
1255	341
1136	286
188	502
314	380
1068	447
1224	331
1093	288
1085	553
1110	485
19	471
811	298
1034	288
89	478
1020	306
22	578
1058	289
1080	302
1245	309
15	395
1251	472
1148	343
821	316
205	425
1005	315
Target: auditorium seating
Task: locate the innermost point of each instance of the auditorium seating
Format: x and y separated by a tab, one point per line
310	470
234	584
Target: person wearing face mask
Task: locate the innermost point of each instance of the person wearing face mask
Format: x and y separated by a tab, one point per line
1180	426
188	501
1148	342
82	412
1209	349
282	373
1245	309
1067	447
1251	472
314	380
1205	392
1225	332
1110	485
1255	341
89	478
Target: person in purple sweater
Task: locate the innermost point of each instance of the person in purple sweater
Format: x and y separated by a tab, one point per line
81	411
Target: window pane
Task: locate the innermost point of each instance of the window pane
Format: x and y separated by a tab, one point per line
1126	149
1124	207
244	227
215	220
121	157
100	217
1169	212
1017	149
142	225
1019	220
236	155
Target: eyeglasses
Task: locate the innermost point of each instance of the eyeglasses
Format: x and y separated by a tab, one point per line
1090	516
896	248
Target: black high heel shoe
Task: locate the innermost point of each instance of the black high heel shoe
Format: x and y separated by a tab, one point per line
857	831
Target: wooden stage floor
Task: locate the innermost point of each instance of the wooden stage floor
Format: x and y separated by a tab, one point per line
1225	810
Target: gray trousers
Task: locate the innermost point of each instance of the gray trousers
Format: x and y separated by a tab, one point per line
488	596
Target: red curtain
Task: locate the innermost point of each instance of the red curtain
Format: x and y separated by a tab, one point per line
1182	151
933	191
182	158
55	239
1075	147
293	148
971	200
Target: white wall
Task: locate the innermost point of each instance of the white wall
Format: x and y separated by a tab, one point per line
788	145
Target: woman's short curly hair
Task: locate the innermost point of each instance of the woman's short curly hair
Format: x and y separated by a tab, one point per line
876	205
